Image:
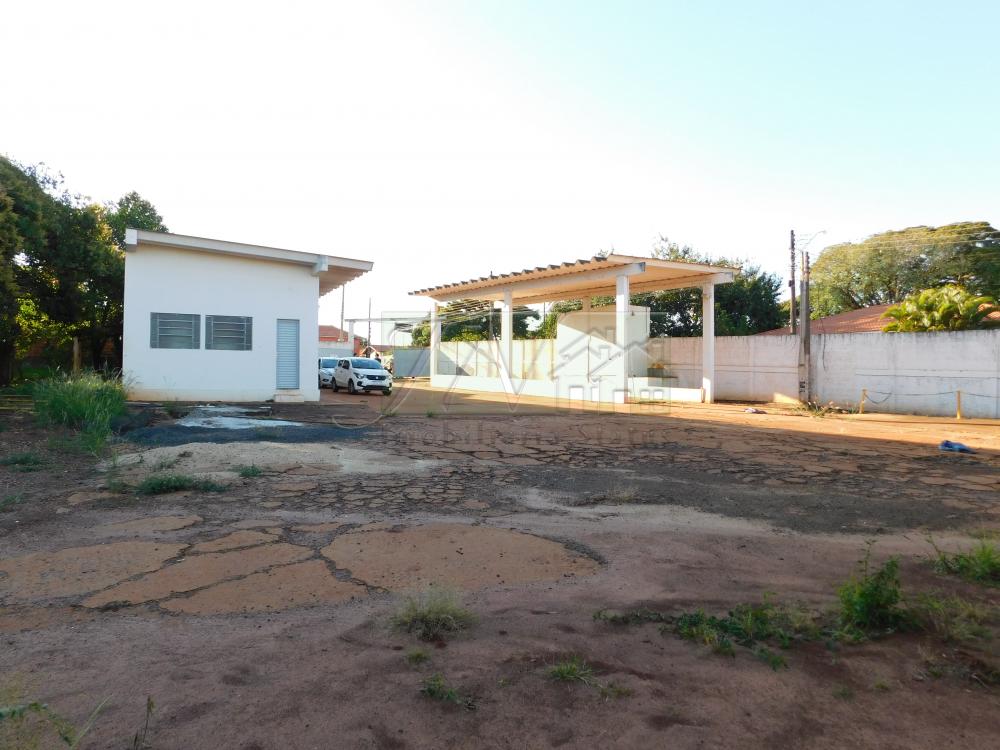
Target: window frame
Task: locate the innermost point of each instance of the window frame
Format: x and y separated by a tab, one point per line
243	340
158	321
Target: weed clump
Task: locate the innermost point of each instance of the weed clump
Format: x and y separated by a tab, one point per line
248	472
950	618
630	617
160	484
981	564
433	614
749	626
436	688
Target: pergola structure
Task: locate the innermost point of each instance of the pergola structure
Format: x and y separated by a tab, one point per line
613	275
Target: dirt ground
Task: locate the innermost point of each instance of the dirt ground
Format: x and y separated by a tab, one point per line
258	616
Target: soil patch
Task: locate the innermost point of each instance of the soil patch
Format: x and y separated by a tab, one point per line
301	584
195	572
150	525
80	570
466	557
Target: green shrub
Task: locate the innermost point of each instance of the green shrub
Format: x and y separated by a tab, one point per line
247	472
160	484
435	687
432	614
85	402
869	601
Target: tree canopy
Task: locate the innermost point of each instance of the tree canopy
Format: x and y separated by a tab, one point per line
473	320
887	267
63	262
748	305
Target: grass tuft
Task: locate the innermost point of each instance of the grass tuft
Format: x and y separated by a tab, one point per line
981	564
573	669
951	618
432	614
85	402
248	472
417	656
160	484
25	461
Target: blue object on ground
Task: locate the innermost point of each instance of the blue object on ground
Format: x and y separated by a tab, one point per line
948	445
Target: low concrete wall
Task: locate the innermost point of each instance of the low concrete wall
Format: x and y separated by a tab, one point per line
904	373
910	373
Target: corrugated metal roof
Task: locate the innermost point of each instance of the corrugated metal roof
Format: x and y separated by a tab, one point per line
495	280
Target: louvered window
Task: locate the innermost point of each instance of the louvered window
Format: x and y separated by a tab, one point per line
231	332
174	331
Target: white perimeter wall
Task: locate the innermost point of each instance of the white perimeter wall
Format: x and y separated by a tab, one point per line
178	281
905	373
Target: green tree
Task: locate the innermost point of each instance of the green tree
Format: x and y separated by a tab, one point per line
888	266
943	308
10	292
132	211
746	306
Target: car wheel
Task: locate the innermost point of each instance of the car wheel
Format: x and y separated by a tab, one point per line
350	387
333	384
387	392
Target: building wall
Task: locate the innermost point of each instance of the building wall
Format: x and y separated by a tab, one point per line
178	281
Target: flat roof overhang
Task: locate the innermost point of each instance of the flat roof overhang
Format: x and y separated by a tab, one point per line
333	271
583	278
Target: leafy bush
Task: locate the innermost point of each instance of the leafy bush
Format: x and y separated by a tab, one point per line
85	402
869	601
432	614
945	308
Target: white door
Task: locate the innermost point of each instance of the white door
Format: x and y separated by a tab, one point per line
288	354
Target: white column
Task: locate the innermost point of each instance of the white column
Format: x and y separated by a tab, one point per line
621	335
435	341
350	338
708	342
585	304
507	340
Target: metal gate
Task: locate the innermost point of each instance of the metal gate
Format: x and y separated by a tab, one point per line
288	354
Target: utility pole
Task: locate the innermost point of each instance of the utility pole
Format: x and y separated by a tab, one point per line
791	284
806	331
369	342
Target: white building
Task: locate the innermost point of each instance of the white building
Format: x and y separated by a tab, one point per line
224	321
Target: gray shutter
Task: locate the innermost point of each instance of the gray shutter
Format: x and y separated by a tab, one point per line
196	332
288	354
154	330
209	321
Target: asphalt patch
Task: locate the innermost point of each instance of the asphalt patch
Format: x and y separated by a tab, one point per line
174	434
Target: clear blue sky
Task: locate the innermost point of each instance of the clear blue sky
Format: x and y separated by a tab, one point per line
445	140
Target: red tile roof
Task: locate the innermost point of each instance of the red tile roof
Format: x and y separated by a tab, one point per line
332	333
863	320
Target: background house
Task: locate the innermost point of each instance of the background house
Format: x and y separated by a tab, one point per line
224	321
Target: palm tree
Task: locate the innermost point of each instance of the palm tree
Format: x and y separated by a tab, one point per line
943	308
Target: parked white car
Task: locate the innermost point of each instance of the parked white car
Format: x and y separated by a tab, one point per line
326	367
360	375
